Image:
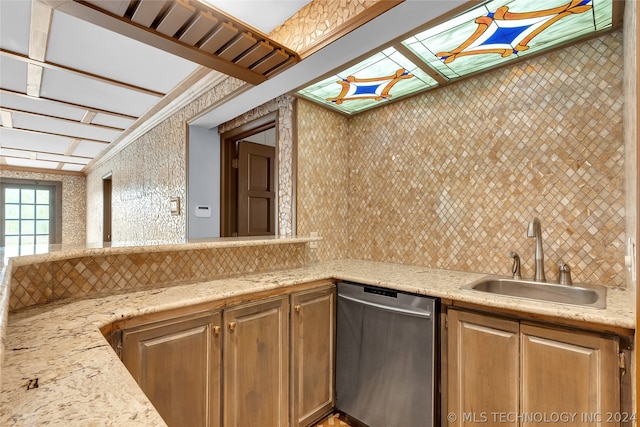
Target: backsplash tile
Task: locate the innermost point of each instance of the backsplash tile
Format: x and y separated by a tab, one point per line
49	281
455	184
322	190
451	178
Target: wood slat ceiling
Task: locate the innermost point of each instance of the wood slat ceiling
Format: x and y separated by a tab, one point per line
190	29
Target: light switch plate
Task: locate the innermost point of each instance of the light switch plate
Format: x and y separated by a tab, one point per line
174	205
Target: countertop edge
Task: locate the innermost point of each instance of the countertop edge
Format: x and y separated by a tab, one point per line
81	380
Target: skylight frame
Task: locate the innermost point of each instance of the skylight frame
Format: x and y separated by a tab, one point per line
608	21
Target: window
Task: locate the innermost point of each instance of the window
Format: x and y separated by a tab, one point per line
30	216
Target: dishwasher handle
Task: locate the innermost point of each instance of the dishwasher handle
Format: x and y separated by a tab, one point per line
397	310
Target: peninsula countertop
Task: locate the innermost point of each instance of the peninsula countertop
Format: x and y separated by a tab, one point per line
81	381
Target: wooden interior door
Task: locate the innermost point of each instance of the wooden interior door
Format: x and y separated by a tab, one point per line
106	209
256	192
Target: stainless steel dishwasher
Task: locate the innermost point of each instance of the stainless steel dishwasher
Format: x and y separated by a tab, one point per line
385	356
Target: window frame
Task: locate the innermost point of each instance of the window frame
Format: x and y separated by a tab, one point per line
55	204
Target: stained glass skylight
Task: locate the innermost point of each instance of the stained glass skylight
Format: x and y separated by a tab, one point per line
500	31
370	83
486	36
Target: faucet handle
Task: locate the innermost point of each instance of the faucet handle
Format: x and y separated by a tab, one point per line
515	269
565	274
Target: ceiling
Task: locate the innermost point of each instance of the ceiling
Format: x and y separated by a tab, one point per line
70	88
484	37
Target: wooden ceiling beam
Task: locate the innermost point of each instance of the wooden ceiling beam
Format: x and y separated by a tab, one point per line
96	77
149	36
39	30
7	119
192	30
40	132
41	16
70	104
89	115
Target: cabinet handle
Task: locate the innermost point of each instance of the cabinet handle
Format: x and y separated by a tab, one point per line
297	308
216	330
232	326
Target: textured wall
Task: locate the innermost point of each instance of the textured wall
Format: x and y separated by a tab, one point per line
460	171
152	169
451	178
146	174
109	273
323	153
73	201
317	20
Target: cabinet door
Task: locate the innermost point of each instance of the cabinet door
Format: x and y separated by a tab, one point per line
177	365
569	372
312	355
482	369
255	364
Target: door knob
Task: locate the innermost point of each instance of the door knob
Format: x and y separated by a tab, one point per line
216	330
297	308
232	326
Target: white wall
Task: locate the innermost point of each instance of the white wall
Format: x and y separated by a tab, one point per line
203	182
267	137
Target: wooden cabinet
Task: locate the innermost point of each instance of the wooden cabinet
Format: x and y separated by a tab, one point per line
570	372
507	372
312	355
255	364
483	364
177	365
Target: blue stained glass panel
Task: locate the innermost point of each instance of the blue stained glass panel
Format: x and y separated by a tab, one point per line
450	51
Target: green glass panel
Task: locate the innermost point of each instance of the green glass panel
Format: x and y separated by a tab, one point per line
11	211
450	35
42	212
27	212
28	195
27	227
42	197
459	31
11	227
42	240
12	240
380	65
42	227
11	195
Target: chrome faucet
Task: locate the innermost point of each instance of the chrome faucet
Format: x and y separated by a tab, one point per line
516	266
534	230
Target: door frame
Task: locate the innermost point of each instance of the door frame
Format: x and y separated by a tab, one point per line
229	175
107	223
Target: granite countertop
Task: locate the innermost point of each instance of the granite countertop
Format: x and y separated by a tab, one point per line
81	381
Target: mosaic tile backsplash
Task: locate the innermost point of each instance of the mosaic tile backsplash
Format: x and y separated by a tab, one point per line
322	178
49	281
451	178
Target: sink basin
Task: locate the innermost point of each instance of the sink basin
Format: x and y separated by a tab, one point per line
594	296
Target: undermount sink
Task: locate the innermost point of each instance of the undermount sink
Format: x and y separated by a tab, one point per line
594	296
